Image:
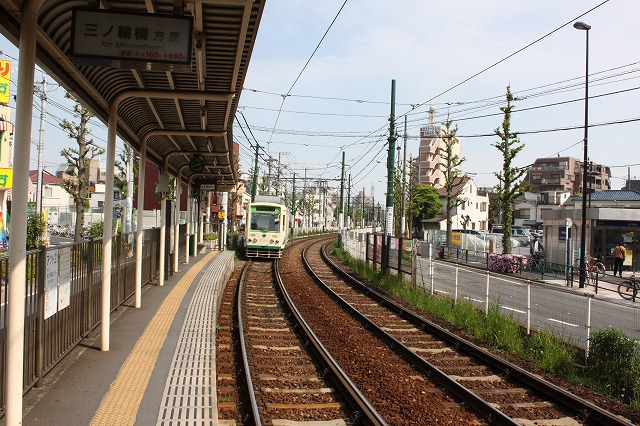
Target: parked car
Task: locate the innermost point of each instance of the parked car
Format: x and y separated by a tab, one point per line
518	233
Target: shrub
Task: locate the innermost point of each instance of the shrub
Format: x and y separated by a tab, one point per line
509	263
35	230
614	363
96	229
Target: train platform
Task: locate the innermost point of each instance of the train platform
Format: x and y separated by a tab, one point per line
160	369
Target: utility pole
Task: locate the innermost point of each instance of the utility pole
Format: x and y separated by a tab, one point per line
269	176
254	190
391	161
404	181
293	198
43	103
363	206
304	201
349	201
341	205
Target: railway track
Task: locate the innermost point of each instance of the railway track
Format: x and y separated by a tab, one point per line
287	378
501	392
420	376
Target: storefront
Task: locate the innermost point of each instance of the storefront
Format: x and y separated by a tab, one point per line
609	233
607	226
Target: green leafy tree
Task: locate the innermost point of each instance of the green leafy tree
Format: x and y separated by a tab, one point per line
79	160
35	230
425	203
120	179
510	184
451	169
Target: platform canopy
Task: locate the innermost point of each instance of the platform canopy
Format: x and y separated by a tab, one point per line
213	40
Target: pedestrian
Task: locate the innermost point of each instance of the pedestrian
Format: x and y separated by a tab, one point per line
536	249
620	253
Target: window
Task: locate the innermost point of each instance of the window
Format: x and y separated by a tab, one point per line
483	207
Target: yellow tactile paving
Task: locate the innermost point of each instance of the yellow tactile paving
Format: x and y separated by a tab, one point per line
120	404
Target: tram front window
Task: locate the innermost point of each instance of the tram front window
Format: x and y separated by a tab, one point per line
267	222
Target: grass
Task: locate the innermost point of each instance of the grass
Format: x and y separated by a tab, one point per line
613	367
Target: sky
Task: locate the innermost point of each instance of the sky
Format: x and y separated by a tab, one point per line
308	97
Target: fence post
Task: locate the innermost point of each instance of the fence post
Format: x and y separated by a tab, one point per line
42	274
466	259
414	260
117	242
366	248
89	306
431	268
486	302
586	351
528	307
455	288
400	249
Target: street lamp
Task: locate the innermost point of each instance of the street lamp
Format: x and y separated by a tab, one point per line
583	243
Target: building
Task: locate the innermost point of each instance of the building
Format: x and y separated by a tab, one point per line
430	162
473	213
564	174
612	216
527	211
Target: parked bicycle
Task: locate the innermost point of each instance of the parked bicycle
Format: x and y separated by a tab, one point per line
628	289
595	270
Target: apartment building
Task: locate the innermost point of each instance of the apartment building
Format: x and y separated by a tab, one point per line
430	167
565	174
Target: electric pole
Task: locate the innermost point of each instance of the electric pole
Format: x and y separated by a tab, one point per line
43	103
391	161
254	190
341	205
404	181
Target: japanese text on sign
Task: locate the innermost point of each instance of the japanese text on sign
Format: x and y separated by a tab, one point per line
143	38
5	81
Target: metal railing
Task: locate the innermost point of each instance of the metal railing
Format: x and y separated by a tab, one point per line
547	298
63	297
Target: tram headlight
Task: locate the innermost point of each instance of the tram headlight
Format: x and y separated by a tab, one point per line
255	240
271	241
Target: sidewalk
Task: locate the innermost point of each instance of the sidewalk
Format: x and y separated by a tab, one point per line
129	383
607	286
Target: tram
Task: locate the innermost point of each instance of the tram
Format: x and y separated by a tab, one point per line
267	227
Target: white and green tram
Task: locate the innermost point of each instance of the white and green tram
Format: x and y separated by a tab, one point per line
267	227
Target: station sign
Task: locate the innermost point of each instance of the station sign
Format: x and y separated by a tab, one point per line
131	40
208	187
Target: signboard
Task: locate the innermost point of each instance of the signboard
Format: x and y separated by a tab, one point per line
562	233
5	82
6	178
51	284
220	215
208	187
64	279
131	40
456	238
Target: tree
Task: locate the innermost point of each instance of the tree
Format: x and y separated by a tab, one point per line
120	180
425	203
451	163
510	184
79	159
35	230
